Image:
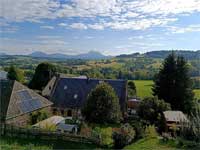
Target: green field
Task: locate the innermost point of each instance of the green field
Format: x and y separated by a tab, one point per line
144	88
37	144
151	144
197	93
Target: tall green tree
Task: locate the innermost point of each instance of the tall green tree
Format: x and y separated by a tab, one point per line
174	85
43	74
131	89
15	74
102	105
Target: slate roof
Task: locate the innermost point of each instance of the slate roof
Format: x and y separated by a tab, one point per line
72	92
17	99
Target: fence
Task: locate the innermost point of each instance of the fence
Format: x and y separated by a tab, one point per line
19	132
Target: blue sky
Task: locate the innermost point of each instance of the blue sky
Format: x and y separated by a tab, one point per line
111	27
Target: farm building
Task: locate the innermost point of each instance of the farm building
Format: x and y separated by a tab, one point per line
70	94
174	119
17	102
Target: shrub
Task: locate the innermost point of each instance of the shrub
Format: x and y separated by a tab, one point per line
102	105
191	130
37	116
150	132
151	110
124	136
105	135
139	129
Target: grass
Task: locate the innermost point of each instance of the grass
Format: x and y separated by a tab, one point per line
197	93
37	144
152	143
143	88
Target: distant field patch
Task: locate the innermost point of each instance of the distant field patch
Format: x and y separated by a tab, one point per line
197	93
143	88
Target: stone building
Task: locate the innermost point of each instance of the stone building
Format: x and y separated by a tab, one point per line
70	94
17	102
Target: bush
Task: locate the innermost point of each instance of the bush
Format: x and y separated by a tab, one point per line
191	130
124	136
151	110
139	129
38	116
105	135
102	105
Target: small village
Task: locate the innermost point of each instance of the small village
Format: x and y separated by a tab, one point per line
104	112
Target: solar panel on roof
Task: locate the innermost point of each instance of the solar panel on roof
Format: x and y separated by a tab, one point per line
30	105
36	104
24	107
24	95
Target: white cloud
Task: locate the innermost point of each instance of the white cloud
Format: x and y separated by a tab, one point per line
96	26
116	14
78	26
47	27
63	24
190	28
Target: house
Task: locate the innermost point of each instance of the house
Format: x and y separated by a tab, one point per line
174	119
3	74
59	123
17	102
70	94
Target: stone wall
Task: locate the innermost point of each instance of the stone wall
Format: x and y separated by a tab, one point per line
23	120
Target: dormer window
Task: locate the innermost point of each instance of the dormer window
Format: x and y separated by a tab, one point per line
75	96
65	87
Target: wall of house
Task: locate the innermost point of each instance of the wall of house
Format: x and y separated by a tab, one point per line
23	120
66	112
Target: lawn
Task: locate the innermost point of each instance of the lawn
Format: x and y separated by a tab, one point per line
152	144
36	144
197	93
143	88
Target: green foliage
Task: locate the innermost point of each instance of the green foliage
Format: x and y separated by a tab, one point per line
38	116
173	84
105	134
139	128
151	109
124	136
102	105
191	130
150	132
43	74
131	89
15	74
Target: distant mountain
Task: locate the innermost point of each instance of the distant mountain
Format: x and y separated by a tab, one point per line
89	55
2	54
164	53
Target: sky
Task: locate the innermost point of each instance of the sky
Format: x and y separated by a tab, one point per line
111	27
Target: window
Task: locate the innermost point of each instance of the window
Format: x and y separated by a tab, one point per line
69	113
75	96
62	112
65	87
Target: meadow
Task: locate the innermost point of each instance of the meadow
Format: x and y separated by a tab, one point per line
37	144
144	88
